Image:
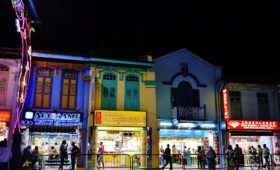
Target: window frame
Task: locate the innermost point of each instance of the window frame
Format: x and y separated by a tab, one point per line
104	106
43	87
69	89
125	92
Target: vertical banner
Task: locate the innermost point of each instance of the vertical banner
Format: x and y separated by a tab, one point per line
216	146
276	148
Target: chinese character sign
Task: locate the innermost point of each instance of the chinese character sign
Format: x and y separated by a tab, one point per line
252	125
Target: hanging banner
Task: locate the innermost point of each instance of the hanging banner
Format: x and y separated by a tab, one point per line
225	104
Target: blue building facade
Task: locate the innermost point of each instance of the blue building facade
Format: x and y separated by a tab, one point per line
187	108
57	102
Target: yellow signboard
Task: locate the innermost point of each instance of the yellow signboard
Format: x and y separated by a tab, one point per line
119	118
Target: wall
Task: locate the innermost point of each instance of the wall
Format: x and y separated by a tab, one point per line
167	66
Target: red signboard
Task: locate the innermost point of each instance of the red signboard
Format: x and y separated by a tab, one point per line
252	125
98	118
5	116
225	104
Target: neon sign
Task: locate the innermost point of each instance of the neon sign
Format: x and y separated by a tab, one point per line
252	125
225	104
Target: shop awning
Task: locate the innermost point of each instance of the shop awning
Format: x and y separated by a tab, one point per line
251	133
63	129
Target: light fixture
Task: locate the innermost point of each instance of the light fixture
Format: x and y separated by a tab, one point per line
208	126
189	125
165	124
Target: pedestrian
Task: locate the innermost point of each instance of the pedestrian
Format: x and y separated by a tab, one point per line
237	154
35	156
5	155
100	157
189	159
63	154
27	158
167	157
211	155
75	151
54	153
161	156
185	156
174	153
266	154
260	156
230	157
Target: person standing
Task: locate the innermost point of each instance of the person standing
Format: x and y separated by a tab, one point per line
237	154
185	156
75	151
35	156
266	154
63	154
161	156
174	153
260	155
189	159
211	155
230	158
100	157
167	157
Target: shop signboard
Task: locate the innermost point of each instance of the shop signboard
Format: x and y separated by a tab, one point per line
225	104
181	133
54	119
120	118
5	116
252	125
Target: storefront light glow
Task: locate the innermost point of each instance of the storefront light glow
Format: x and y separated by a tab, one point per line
190	125
165	124
29	115
208	126
120	128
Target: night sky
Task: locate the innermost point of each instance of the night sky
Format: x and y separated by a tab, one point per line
241	36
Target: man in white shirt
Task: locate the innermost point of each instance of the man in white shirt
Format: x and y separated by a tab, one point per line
266	154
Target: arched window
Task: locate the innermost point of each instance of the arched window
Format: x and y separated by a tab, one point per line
4	78
132	96
43	88
109	92
69	89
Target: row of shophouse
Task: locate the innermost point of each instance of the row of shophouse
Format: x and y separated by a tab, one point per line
177	99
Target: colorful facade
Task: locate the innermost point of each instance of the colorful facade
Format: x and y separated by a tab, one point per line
57	103
124	106
9	67
187	110
251	116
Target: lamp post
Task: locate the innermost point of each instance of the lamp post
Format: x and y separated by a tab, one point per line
25	29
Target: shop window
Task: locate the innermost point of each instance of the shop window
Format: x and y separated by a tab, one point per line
109	92
43	88
235	105
4	77
69	89
132	93
263	106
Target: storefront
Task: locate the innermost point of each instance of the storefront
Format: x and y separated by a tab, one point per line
189	134
125	130
47	129
248	133
5	117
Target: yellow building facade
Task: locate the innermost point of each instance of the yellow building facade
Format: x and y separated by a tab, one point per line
123	107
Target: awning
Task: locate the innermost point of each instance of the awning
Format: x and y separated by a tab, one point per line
251	133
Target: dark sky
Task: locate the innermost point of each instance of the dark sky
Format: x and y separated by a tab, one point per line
241	36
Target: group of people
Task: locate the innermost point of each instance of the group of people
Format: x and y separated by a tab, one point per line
260	154
167	158
32	159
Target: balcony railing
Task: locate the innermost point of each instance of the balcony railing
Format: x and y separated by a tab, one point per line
189	113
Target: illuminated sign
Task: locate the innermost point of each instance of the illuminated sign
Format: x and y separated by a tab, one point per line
5	116
3	124
225	104
55	119
120	118
252	125
181	133
29	115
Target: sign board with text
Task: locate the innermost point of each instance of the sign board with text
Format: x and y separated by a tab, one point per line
119	118
252	125
5	116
